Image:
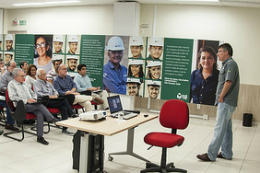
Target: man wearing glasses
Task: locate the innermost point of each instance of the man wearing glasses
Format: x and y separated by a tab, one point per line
155	49
43	60
115	74
5	79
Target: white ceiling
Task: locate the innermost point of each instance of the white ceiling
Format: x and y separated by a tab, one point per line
8	4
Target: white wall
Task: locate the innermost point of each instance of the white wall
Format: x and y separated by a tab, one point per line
62	20
238	26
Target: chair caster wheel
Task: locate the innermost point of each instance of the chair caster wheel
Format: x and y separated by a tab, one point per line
110	158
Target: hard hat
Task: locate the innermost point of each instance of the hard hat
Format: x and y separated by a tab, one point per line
133	80
156	41
135	62
115	43
9	37
58	38
1	37
73	38
154	63
155	83
57	57
9	53
136	41
72	57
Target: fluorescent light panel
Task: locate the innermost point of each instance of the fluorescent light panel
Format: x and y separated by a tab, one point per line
46	3
195	0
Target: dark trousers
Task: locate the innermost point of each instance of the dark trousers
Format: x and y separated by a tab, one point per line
64	107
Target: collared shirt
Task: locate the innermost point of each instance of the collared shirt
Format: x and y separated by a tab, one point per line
51	75
44	88
115	80
82	82
203	91
18	91
62	85
5	79
229	72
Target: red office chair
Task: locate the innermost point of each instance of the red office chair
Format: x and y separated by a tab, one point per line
19	115
175	115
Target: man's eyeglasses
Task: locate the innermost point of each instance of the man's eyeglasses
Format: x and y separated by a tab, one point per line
42	45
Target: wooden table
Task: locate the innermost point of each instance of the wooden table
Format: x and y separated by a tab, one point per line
107	127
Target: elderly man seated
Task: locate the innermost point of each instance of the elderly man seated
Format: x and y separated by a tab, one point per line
66	86
45	88
18	90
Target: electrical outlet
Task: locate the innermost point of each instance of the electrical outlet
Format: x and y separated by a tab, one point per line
198	106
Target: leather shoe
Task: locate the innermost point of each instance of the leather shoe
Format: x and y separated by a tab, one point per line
97	100
221	156
41	140
54	120
204	157
67	132
1	132
11	127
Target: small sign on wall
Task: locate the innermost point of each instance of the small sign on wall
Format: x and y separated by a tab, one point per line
22	22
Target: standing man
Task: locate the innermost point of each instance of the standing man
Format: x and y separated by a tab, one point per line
58	43
23	65
136	46
18	90
52	74
155	48
115	74
73	44
66	86
133	86
9	42
83	83
227	97
45	88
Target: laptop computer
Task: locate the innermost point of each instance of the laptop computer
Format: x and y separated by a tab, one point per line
115	107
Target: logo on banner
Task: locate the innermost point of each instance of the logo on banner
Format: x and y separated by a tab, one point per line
182	96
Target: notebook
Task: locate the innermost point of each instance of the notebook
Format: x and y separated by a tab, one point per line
115	107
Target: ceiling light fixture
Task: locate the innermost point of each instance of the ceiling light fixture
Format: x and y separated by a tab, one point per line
195	0
46	3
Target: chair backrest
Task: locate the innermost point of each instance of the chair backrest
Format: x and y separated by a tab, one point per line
7	99
174	114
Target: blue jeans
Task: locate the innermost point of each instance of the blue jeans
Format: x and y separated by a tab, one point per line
9	119
223	135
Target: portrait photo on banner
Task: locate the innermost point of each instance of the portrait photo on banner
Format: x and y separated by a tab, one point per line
115	64
205	71
43	52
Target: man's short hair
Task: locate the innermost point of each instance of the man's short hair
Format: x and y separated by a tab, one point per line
227	47
9	63
22	63
80	66
16	71
38	72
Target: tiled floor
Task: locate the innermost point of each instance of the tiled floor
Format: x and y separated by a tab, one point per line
29	156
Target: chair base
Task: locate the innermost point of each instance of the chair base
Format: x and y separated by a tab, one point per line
152	167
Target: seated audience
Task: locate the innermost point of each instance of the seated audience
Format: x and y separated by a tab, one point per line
18	90
52	74
44	88
23	65
83	83
66	86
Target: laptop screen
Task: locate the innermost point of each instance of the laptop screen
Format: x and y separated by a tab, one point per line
114	103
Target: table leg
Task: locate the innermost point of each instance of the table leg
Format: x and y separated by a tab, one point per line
83	161
129	148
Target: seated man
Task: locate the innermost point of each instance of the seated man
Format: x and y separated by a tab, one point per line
83	83
45	88
5	79
18	90
66	86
